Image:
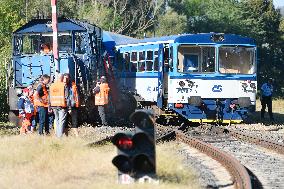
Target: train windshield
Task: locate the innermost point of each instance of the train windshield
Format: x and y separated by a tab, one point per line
237	60
196	59
41	43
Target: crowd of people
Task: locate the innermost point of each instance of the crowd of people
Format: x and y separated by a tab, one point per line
49	106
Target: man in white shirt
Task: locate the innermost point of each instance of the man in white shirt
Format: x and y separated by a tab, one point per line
266	99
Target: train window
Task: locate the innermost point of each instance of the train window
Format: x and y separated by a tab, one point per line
149	66
141	63
30	44
133	66
142	56
196	59
133	62
79	44
150	55
133	56
120	61
190	62
237	60
141	66
156	64
149	61
127	61
65	43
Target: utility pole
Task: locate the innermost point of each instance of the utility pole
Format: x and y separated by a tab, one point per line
55	36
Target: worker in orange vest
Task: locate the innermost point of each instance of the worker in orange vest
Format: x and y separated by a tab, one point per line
41	103
57	97
101	98
72	103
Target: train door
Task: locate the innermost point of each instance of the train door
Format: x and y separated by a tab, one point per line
161	75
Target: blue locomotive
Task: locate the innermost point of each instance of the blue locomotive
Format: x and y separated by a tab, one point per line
208	77
79	46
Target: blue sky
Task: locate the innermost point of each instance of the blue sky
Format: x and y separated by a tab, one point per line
278	3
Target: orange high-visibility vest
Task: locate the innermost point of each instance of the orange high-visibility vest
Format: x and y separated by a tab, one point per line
101	98
57	96
32	101
75	95
41	101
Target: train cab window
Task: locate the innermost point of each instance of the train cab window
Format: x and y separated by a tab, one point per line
133	63
149	61
65	43
190	63
156	61
237	60
29	44
196	59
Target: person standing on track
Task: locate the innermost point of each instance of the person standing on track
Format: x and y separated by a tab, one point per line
57	97
101	98
41	104
266	99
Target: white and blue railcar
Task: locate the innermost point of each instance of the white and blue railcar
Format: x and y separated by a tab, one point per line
208	77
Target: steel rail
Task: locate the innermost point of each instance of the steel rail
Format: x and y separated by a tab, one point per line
237	170
269	144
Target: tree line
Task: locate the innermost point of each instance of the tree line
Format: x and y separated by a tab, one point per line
258	19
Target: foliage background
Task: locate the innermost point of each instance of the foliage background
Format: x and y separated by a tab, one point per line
258	19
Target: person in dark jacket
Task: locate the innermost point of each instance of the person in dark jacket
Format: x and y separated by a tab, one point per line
266	99
72	103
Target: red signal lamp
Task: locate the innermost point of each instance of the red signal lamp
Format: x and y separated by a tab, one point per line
124	143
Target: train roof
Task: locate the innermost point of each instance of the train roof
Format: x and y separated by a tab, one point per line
201	38
44	26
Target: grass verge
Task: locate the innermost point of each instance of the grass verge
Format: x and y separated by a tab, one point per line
47	162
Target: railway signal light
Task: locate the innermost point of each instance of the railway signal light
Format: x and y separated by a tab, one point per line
144	160
124	145
136	151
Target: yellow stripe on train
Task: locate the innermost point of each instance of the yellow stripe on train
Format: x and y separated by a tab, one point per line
214	120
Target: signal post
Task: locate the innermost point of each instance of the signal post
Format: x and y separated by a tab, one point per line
136	158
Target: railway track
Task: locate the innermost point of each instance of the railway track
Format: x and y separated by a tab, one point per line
236	150
262	158
239	174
